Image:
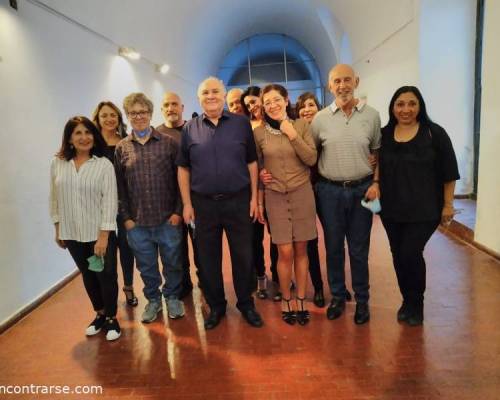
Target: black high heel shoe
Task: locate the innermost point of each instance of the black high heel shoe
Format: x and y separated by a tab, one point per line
132	300
303	316
288	316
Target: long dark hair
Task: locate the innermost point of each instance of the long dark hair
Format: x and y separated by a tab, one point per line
301	102
67	150
422	116
250	91
122	127
283	92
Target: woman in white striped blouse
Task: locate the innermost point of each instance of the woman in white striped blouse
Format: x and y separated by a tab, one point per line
83	207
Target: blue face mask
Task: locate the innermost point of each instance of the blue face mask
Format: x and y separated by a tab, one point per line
142	133
373	205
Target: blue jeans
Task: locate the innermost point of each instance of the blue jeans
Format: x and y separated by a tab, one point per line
343	217
146	242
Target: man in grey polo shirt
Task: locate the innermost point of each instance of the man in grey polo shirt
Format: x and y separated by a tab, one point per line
346	133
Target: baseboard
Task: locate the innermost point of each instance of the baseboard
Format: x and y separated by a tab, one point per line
9	322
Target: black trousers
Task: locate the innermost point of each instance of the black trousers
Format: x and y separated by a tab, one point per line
101	287
186	276
314	265
228	214
126	255
407	241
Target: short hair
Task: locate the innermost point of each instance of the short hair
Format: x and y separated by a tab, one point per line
282	91
211	79
122	127
250	91
67	151
422	116
336	65
301	101
137	98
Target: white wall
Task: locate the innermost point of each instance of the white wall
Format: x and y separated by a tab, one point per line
50	70
447	47
488	198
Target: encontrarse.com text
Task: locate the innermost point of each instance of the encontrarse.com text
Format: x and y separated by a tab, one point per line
49	389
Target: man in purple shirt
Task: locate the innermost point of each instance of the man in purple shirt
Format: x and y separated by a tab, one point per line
150	205
218	180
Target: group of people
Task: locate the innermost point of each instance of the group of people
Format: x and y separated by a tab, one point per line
261	162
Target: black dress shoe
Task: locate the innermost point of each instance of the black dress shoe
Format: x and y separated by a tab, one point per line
362	314
319	298
335	309
404	312
416	316
252	317
213	319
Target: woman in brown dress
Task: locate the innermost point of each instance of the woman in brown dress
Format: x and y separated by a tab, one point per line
286	150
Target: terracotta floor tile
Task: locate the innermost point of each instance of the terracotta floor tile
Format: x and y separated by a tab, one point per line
455	355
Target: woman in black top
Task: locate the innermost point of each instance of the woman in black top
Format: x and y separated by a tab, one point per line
108	119
417	172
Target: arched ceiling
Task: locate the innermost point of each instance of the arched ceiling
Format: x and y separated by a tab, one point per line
194	35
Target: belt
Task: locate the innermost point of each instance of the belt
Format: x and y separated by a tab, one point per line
345	184
221	196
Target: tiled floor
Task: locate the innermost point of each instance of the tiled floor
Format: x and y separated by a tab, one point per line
455	355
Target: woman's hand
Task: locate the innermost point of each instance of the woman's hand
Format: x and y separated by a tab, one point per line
447	215
265	177
175	220
59	242
101	244
287	128
129	224
261	217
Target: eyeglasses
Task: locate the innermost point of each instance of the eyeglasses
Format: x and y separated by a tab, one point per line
138	114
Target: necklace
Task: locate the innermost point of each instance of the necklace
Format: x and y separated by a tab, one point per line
271	130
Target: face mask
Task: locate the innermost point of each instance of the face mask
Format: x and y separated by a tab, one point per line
373	205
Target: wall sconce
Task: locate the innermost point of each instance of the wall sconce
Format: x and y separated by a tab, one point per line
129	52
163	68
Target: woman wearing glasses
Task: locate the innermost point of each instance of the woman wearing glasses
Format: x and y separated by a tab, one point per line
287	151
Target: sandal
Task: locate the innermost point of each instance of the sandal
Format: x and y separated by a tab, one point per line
132	300
288	316
303	316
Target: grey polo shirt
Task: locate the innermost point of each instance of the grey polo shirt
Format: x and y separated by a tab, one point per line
344	143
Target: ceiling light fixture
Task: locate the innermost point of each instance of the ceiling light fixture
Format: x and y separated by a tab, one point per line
129	52
163	68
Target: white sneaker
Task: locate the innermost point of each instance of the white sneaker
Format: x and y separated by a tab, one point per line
112	328
96	325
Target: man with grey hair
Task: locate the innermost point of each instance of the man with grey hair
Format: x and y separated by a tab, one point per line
233	100
150	205
346	133
218	180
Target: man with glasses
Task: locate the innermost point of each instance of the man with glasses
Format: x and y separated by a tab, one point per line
150	205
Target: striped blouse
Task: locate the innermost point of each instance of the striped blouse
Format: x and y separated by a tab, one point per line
83	202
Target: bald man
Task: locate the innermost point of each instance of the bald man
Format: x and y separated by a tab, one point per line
346	134
233	100
172	109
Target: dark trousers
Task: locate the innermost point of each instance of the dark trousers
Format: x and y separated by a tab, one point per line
126	255
186	265
258	248
344	218
212	218
407	241
101	287
314	265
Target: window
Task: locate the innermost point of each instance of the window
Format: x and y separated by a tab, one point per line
272	58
